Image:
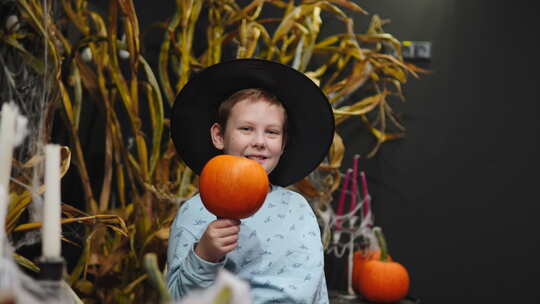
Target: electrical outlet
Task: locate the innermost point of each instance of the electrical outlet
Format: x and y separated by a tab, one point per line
410	50
416	50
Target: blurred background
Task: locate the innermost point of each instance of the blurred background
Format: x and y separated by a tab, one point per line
457	196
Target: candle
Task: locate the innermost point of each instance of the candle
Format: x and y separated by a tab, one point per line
366	195
341	201
354	183
3	212
7	135
51	229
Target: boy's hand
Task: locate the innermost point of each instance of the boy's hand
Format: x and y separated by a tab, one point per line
220	238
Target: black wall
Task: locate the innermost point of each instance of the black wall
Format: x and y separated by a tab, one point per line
457	198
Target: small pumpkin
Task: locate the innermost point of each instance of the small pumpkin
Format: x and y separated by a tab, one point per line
382	280
359	259
233	187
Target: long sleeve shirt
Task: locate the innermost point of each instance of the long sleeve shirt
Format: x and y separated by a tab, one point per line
279	251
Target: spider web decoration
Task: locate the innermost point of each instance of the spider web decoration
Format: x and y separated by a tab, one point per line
346	232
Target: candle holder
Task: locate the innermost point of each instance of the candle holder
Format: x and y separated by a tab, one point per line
50	268
52	289
354	228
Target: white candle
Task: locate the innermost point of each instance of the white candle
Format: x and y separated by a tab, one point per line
7	135
3	212
51	229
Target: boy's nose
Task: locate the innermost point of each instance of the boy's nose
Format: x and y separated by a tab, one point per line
259	141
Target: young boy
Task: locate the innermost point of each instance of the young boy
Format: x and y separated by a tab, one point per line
287	127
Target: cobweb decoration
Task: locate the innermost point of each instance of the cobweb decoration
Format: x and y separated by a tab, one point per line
346	232
32	87
15	285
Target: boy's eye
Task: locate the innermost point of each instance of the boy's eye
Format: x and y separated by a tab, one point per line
274	132
245	128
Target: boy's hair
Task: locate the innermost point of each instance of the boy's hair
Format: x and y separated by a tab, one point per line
253	94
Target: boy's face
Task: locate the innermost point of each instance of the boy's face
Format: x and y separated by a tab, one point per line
254	130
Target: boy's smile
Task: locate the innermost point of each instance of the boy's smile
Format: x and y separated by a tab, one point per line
254	130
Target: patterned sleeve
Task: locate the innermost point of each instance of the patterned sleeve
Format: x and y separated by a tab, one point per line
309	284
186	270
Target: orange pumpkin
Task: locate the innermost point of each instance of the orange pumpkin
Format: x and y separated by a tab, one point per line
359	259
382	280
233	187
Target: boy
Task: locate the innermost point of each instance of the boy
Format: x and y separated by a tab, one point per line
287	126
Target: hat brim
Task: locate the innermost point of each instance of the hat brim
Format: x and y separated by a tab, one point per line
310	128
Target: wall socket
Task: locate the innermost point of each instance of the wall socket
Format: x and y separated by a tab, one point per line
412	50
416	50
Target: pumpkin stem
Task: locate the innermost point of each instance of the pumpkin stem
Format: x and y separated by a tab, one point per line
382	243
